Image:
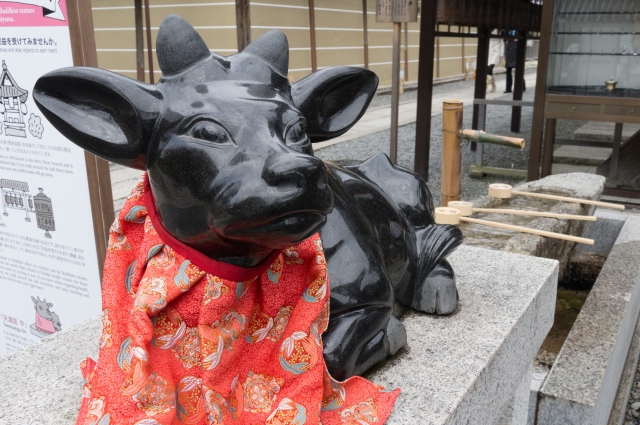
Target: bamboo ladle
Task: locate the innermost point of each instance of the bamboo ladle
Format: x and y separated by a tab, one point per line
466	209
453	216
500	190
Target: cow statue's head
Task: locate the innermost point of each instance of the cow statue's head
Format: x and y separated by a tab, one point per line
226	140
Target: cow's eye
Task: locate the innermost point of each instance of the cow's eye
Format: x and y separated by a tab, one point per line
295	133
210	131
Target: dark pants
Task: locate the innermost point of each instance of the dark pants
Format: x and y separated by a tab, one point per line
490	69
510	81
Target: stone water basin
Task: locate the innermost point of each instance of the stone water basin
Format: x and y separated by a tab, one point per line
494	238
576	185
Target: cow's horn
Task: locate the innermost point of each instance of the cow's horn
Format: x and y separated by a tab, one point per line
178	45
273	48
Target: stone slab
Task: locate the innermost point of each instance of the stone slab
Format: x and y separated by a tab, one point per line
619	409
572	168
538	375
604	232
465	368
580	155
457	369
582	384
596	130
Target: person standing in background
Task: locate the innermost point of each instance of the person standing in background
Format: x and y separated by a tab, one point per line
511	51
496	52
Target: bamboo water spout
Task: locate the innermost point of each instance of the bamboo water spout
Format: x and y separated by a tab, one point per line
452	133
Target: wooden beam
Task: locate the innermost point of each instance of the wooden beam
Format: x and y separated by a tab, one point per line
312	36
541	91
152	79
243	24
425	88
137	7
365	34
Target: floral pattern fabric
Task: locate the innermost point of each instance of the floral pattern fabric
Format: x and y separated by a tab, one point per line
205	345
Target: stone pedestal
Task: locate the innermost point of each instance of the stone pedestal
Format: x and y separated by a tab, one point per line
471	367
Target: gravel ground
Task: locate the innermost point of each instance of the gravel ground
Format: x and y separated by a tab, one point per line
498	121
633	408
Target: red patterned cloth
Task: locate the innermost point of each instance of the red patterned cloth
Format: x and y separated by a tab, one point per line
188	340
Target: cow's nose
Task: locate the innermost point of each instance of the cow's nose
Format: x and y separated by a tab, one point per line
292	171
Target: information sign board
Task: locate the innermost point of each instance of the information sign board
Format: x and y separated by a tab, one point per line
396	10
49	263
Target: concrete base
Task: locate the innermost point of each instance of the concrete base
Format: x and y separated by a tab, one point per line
472	367
582	384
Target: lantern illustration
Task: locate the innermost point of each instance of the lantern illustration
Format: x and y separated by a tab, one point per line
44	213
12	104
16	196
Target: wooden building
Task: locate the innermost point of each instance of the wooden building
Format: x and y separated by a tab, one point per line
344	32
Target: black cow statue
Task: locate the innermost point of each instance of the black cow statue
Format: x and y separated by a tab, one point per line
227	143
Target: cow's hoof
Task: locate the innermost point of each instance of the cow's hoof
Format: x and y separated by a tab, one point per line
438	293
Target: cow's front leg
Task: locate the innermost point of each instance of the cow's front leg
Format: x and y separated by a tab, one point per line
437	293
357	340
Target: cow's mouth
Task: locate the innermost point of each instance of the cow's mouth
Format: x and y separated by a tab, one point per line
291	228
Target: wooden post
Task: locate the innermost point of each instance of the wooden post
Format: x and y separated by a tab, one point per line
312	36
137	6
243	24
83	47
437	57
482	61
451	187
395	93
149	43
464	68
549	142
541	90
365	34
425	88
406	51
615	155
518	86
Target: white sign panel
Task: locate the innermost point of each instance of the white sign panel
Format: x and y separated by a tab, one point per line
49	277
396	10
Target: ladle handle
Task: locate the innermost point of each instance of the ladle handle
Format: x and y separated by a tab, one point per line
567	199
536	213
528	230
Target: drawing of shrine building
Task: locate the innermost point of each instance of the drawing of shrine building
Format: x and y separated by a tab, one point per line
13	104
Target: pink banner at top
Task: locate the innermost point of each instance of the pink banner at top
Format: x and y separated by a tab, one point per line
33	13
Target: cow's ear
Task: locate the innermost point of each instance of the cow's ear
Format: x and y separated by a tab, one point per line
109	115
34	300
334	99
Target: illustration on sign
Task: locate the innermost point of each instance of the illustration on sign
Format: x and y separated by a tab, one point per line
15	195
47	321
50	8
13	105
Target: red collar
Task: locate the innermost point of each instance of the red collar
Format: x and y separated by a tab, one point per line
204	263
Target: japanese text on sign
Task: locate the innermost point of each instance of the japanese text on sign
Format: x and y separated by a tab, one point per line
396	10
